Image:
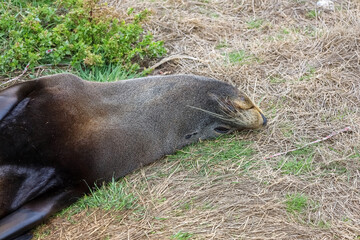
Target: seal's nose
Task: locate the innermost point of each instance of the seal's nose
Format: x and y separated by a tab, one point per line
264	119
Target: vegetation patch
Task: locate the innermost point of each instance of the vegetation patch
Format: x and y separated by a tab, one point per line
310	73
108	73
222	44
181	236
305	209
111	197
336	167
43	234
300	162
239	57
205	155
312	13
355	155
296	203
75	32
296	166
276	79
256	23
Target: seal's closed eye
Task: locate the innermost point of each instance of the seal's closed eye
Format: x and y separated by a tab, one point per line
222	130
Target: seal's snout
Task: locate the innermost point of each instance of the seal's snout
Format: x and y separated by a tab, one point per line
264	119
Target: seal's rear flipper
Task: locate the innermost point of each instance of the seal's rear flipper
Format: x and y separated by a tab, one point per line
11	96
35	212
27	236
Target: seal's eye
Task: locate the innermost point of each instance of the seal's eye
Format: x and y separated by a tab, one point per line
188	136
221	130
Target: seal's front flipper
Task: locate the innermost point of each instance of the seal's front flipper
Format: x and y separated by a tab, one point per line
35	212
11	96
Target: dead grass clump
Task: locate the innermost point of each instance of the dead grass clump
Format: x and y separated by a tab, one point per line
340	46
92	224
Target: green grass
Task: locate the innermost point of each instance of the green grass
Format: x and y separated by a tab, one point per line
108	73
24	3
214	15
282	35
111	197
222	44
186	206
323	224
181	236
296	203
42	235
239	57
296	166
202	157
312	14
299	162
308	75
275	79
285	31
335	167
287	129
311	31
254	24
305	151
299	205
207	206
356	155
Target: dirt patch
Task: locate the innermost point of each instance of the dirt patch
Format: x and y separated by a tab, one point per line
301	64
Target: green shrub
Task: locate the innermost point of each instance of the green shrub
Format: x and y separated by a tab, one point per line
81	32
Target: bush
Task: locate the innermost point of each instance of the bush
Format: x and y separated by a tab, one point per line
81	33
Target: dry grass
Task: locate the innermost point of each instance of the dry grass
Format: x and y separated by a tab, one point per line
304	70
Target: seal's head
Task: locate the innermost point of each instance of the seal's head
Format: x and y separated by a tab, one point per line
233	113
183	109
240	112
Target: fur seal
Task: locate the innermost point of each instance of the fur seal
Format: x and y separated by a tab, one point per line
60	134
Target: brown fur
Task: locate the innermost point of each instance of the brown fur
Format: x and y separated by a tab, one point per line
61	134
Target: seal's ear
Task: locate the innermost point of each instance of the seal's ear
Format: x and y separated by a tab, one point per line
11	96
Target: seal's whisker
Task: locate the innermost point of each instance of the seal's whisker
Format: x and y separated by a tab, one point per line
212	113
229	107
228	118
226	106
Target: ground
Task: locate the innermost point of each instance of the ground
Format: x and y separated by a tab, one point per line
300	63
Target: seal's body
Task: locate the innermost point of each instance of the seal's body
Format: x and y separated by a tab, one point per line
60	134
